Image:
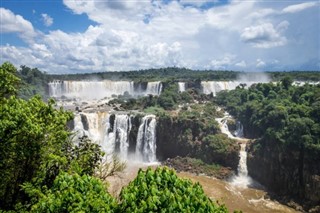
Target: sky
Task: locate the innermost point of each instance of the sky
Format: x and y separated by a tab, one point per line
77	36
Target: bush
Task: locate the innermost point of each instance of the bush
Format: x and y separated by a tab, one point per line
73	193
162	191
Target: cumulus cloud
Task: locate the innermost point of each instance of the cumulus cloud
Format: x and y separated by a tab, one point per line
260	63
176	33
299	7
47	20
265	35
242	64
11	23
224	62
196	3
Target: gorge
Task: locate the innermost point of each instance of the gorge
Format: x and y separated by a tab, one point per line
147	138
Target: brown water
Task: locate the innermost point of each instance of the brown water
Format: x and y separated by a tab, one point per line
237	198
248	200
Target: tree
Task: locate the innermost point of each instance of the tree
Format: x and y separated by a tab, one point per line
73	193
8	80
33	144
286	82
33	140
162	191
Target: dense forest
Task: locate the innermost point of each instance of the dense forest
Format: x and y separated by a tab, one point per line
184	74
284	120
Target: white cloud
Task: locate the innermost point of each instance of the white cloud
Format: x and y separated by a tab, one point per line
196	3
173	35
47	20
11	23
224	62
299	7
260	63
241	64
265	35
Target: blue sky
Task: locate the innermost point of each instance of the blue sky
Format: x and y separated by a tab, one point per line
69	36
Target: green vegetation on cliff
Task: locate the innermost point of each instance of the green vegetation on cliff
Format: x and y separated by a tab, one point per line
285	120
194	132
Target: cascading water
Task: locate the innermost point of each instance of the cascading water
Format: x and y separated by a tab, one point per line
78	127
154	88
182	86
242	179
113	134
121	130
90	124
239	130
216	86
100	89
146	139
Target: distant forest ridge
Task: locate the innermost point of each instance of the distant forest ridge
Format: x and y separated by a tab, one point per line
183	74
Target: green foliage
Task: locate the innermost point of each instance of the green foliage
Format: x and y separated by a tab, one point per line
33	136
85	156
8	80
162	74
281	113
155	110
162	191
219	143
282	116
73	193
183	74
33	82
287	82
35	143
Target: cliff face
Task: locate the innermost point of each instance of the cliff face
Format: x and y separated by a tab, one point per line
185	137
292	172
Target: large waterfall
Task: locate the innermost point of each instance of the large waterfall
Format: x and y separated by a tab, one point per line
121	131
146	140
100	89
112	132
216	86
153	88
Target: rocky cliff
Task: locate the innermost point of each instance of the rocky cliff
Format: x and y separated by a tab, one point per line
177	136
288	172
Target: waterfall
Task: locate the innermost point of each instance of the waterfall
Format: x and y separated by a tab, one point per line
242	179
216	86
78	127
89	89
154	88
99	89
112	133
121	130
90	124
108	143
146	139
182	86
239	130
